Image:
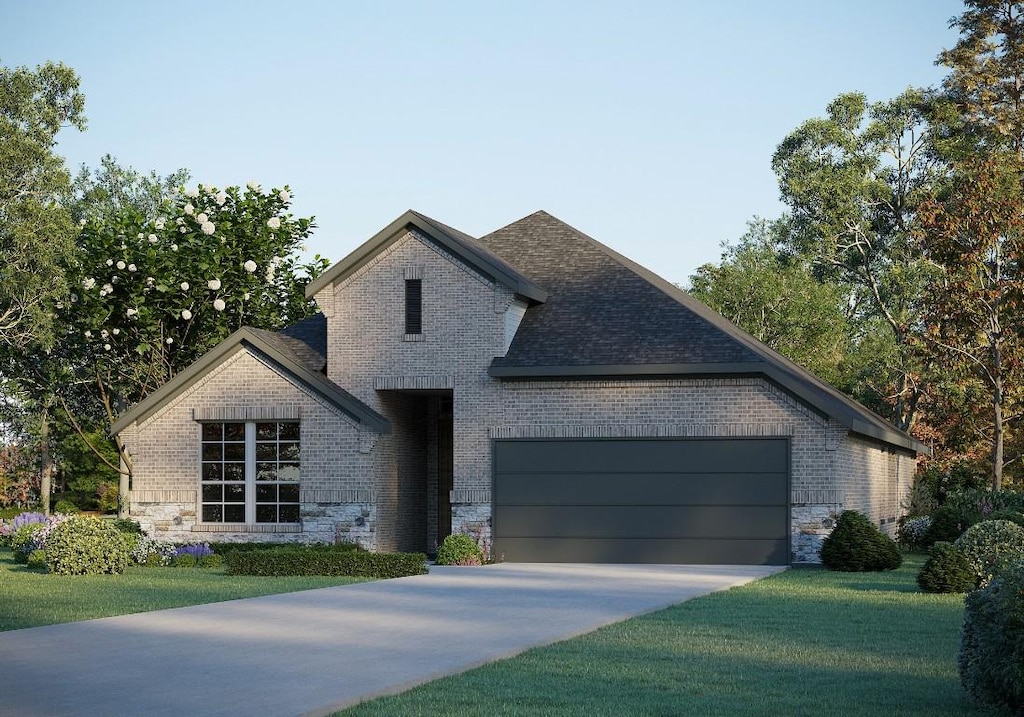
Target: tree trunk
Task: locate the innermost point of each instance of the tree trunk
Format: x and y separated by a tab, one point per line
997	435
46	462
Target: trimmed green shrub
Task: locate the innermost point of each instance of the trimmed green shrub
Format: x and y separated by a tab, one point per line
210	561
127	525
184	561
991	657
66	507
990	545
86	545
947	570
325	560
459	549
946	526
856	545
37	559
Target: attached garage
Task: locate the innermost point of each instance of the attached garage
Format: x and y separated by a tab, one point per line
708	501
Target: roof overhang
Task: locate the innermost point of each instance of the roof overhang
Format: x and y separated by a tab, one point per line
489	267
242	340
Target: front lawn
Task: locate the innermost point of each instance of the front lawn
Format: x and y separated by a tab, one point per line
804	642
31	597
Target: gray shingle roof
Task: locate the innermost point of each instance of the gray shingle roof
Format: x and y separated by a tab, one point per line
602	309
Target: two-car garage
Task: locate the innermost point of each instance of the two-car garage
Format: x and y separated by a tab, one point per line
676	500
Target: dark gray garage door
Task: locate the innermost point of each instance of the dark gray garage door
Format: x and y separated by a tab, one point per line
642	501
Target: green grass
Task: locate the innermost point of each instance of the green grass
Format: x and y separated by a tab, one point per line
804	642
32	597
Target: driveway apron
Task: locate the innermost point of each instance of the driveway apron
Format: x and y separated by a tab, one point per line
312	652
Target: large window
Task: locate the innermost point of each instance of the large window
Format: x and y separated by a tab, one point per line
250	472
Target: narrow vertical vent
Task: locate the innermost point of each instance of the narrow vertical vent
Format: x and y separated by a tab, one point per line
414	306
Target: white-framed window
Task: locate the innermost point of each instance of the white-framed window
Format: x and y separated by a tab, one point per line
250	472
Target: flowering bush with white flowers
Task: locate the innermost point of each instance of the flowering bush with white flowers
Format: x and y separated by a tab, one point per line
153	293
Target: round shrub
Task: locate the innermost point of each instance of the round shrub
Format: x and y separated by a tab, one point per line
991	657
127	525
856	545
210	561
459	549
67	507
85	545
185	560
990	545
947	570
37	559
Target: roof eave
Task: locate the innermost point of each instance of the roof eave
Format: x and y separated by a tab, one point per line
410	219
243	339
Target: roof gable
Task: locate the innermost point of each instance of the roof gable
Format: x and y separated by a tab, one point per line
278	350
461	245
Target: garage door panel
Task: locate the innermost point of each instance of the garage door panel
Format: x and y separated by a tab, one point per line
640	456
667	551
623	488
642	500
574	521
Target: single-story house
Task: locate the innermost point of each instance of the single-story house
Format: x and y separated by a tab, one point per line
532	388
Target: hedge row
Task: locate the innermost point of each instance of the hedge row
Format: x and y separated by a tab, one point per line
324	560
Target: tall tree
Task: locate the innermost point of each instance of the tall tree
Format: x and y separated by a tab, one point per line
776	298
972	235
975	300
853	181
36	229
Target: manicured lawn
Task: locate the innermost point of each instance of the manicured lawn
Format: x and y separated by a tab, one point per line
29	597
804	642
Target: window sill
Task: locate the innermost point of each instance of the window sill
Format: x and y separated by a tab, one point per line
247	528
413	337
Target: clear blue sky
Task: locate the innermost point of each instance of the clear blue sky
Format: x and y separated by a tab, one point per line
648	125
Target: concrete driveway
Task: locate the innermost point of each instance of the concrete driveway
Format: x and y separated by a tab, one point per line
317	651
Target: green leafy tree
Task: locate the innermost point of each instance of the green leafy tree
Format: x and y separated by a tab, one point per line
974	310
854	180
36	230
777	299
153	292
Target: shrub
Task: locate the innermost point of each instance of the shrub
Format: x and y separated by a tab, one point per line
947	570
66	507
991	657
23	540
83	545
1014	516
856	545
8	529
107	497
127	525
946	526
153	553
325	560
185	560
196	550
911	532
990	545
37	559
210	561
459	549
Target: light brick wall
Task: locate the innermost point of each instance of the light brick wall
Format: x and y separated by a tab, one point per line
165	449
464	325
